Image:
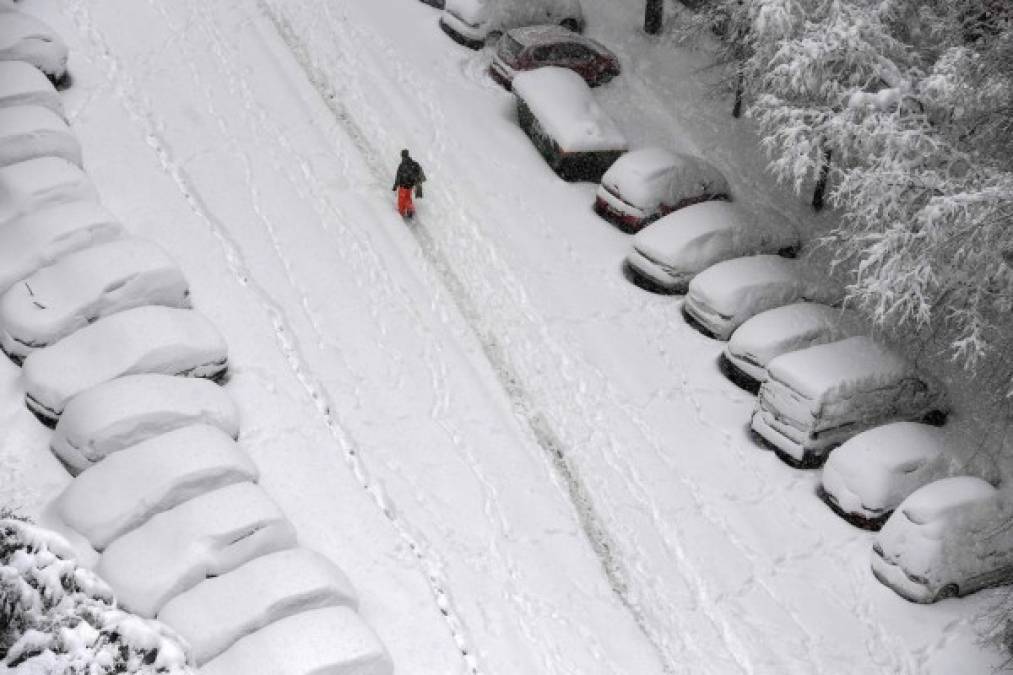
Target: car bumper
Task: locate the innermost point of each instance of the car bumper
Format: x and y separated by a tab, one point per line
862	518
44	413
791	451
714	325
627	217
655	277
461	33
893	576
742	373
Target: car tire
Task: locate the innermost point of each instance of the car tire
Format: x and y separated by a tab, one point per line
789	252
570	24
936	418
948	591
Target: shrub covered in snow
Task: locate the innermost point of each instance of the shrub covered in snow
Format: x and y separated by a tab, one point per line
57	617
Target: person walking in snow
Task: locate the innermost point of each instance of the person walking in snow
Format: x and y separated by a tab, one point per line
409	177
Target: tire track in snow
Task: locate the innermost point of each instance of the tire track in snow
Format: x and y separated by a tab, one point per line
142	116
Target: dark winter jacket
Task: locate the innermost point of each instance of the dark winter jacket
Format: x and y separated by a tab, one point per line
409	174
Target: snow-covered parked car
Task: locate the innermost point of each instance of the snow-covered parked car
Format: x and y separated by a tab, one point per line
206	536
124	490
725	295
326	640
871	473
816	398
149	339
31	131
778	331
23	84
556	109
648	183
125	411
947	539
25	38
523	49
215	613
668	253
84	286
28	186
473	22
42	237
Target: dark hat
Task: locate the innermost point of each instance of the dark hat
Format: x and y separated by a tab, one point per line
404	153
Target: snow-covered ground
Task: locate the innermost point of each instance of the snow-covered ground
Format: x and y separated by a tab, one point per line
523	463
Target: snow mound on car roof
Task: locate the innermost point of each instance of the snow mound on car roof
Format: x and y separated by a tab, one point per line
668	239
27	186
858	361
564	106
936	500
42	237
23	84
29	131
792	327
215	613
647	176
332	640
125	411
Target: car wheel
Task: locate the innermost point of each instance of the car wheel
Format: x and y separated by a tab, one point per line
788	252
948	591
570	24
936	418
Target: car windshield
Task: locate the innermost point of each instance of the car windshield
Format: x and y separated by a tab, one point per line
509	48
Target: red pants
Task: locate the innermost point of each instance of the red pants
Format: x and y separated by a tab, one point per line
405	206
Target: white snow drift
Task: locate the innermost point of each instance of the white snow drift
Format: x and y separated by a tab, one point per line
141	340
669	252
127	488
85	285
725	295
786	329
28	186
215	613
127	410
32	131
23	84
45	235
332	640
206	536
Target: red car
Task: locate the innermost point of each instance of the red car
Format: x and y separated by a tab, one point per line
532	47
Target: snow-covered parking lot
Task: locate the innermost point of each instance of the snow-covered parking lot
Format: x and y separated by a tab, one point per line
522	462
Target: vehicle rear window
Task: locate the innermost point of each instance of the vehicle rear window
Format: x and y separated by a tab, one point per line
509	48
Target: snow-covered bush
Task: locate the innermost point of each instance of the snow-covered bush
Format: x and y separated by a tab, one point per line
57	617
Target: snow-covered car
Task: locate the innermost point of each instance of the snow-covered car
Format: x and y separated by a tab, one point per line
25	38
28	186
778	331
84	286
326	640
126	489
668	253
149	339
648	183
474	22
816	398
871	473
556	110
723	296
206	536
108	417
42	237
531	47
215	613
947	539
23	84
31	131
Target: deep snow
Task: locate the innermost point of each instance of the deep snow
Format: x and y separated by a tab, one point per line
523	463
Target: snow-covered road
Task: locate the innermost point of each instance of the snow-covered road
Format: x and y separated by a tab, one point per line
523	463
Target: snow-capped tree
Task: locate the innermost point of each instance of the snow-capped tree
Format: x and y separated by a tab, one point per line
57	617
